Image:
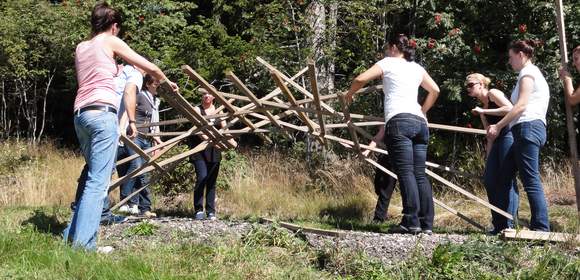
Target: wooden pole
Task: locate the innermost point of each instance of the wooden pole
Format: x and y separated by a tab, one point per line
569	117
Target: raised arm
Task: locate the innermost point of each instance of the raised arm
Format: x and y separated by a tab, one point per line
123	50
432	92
526	87
504	105
361	80
572	95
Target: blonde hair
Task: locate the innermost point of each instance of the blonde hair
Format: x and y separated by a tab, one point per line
485	81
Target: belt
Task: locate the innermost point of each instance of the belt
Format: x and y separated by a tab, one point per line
104	108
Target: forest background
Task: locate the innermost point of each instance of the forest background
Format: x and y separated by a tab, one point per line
453	38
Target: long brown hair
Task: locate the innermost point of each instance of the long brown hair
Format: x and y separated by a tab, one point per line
103	17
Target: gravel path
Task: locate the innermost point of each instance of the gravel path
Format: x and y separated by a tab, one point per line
388	248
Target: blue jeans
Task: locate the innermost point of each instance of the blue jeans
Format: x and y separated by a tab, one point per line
143	199
524	157
106	214
97	133
406	138
504	196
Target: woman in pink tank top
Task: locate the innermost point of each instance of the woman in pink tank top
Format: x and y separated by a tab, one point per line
95	118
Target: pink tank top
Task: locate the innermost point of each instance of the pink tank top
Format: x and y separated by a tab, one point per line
96	71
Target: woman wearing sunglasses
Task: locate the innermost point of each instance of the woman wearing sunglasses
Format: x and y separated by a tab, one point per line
494	106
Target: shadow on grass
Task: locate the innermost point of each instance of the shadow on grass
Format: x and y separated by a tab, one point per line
45	223
174	212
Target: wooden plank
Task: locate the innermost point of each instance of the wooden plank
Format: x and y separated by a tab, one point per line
459	214
178	102
161	123
140	152
291	82
292	101
317	103
270	95
298	228
509	234
435	200
350	127
468	194
139	170
572	145
194	75
245	90
232	132
160	146
152	181
145	168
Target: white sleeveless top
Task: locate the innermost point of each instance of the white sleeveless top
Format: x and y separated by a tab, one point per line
401	81
538	100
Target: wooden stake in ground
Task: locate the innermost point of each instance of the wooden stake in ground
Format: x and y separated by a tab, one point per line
569	117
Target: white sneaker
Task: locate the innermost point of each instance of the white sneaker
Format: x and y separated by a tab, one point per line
124	209
199	215
134	210
105	250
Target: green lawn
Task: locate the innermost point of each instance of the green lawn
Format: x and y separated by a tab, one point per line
31	248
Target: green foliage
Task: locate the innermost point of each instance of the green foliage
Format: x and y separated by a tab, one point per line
233	165
454	38
144	228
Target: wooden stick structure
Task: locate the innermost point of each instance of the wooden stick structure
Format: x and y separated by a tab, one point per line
257	113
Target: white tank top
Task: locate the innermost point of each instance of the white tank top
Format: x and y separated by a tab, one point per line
401	81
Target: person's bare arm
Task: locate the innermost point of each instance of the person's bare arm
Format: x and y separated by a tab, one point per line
526	87
123	50
572	95
361	80
130	101
377	139
432	92
504	105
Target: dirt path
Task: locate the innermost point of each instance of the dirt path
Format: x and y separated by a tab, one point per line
388	248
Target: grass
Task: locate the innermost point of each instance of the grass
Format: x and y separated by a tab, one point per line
29	251
271	184
38	183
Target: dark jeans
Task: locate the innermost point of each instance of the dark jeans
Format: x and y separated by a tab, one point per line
384	187
524	157
502	195
143	199
406	138
206	179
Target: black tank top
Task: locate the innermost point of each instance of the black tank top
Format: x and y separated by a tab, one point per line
210	154
490	118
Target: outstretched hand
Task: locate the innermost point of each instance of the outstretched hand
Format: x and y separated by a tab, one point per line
477	110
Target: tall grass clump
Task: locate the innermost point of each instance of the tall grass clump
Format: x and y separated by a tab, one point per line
37	175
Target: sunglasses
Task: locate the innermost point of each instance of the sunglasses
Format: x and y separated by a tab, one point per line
470	85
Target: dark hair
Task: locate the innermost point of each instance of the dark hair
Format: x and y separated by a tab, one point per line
148	79
525	46
404	45
103	17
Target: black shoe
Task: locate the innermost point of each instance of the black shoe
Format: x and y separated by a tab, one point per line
405	230
427	232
